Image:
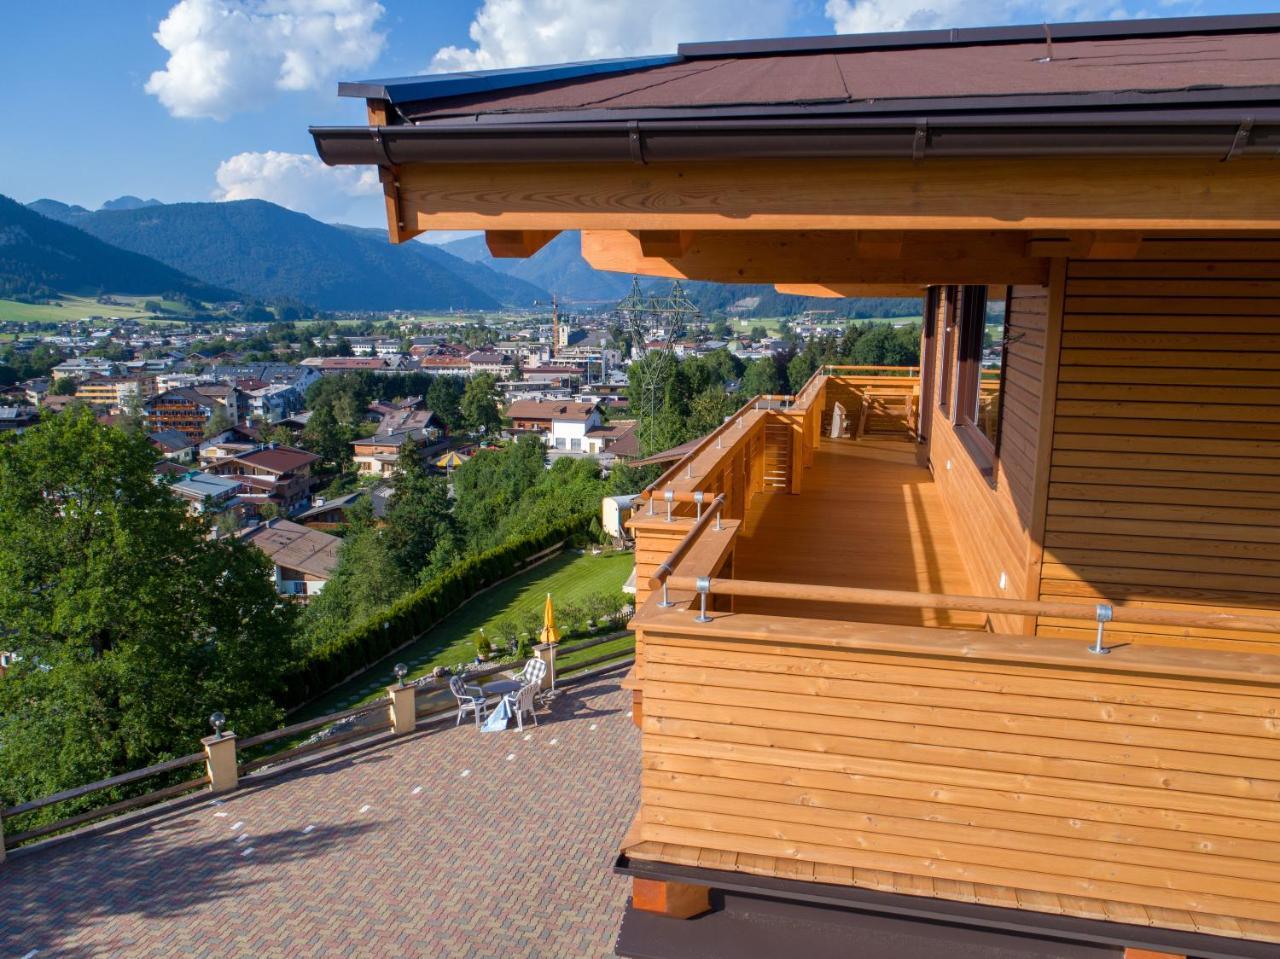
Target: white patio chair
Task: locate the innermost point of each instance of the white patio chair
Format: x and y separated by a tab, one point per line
469	698
534	671
521	702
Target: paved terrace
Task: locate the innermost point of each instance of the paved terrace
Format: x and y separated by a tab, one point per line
447	843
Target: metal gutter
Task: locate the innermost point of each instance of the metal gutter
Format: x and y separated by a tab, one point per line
978	36
438	86
1220	135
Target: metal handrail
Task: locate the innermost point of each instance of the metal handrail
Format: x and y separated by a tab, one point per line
663	573
1101	613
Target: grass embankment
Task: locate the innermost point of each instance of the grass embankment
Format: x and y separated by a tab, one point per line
79	307
568	577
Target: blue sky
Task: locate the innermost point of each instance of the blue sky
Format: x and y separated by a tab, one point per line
94	106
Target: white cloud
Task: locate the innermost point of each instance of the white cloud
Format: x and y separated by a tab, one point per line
229	55
874	16
514	33
302	183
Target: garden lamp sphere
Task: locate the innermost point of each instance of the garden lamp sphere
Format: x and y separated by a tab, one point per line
217	721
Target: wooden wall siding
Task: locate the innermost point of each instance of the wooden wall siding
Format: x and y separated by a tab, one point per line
1165	478
1055	778
993	520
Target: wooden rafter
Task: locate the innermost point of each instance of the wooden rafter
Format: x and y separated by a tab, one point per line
837	290
397	229
517	244
826	258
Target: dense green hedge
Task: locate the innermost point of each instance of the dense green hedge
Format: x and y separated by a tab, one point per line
414	613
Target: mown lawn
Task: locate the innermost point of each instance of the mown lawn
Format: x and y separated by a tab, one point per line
569	577
79	307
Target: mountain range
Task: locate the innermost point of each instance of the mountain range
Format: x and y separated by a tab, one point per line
265	252
39	255
276	255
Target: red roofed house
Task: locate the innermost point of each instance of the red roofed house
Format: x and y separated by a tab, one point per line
280	475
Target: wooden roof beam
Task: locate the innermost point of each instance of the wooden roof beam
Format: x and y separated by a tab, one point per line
517	244
664	243
832	291
1014	194
826	258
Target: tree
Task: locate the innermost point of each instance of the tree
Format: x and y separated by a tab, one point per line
418	520
324	437
219	422
761	378
132	624
63	386
443	396
480	404
365	581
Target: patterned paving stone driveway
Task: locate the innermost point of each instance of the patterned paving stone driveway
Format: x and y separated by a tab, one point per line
445	844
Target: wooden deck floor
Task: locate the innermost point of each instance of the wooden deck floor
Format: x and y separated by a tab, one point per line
867	516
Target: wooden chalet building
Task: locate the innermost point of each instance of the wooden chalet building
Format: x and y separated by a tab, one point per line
980	658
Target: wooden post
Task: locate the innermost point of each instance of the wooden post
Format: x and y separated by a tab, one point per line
220	757
547	653
679	900
404	718
1131	953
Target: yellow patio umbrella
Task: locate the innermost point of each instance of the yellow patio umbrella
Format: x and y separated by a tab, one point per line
549	632
451	460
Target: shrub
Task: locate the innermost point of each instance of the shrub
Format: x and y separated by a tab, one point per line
484	648
417	611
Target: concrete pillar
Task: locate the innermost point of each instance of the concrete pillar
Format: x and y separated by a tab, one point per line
220	758
547	653
404	718
679	900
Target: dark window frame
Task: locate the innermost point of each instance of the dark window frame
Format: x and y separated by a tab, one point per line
983	449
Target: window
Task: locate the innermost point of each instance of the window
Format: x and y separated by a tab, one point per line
980	366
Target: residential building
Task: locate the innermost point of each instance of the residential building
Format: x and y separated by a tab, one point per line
328	513
445	365
963	657
489	361
183	409
83	367
564	425
304	559
115	393
275	402
279	474
16	419
209	495
174	445
377	455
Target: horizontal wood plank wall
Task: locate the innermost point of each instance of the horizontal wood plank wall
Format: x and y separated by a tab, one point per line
1130	787
1165	479
993	519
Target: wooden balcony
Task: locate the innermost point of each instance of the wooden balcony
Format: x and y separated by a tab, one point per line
869	516
823	699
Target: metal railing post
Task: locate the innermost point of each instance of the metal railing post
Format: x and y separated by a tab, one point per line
704	587
697	499
670	496
1104	613
719	525
665	602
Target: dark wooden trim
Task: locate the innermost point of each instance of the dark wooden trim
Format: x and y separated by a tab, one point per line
1034	929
